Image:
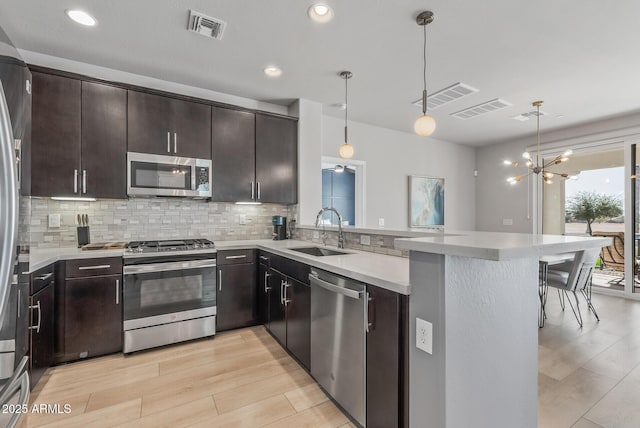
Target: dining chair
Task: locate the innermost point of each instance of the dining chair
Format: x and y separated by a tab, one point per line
573	277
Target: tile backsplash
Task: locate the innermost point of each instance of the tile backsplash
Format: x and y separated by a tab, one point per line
381	244
146	219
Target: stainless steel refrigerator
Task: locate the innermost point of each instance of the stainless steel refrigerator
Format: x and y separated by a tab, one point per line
14	114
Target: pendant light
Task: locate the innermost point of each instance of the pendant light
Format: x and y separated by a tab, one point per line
538	168
425	124
346	150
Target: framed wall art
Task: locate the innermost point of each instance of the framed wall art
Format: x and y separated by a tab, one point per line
426	201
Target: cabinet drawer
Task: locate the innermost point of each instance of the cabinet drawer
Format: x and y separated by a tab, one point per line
41	278
230	257
93	267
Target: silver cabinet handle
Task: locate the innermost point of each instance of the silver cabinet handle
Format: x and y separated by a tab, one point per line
266	281
75	181
168	142
367	324
94	267
117	291
253	194
242	256
282	291
285	300
37	306
44	277
220	279
84	181
19	293
175	142
266	259
258	190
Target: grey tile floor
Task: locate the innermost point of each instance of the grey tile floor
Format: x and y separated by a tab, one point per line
590	377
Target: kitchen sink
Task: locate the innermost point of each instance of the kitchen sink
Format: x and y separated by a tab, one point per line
319	251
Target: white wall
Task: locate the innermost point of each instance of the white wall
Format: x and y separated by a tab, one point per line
391	156
497	200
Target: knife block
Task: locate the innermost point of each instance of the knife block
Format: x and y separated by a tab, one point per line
83	236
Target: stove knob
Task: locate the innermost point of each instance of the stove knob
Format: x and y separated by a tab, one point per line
140	249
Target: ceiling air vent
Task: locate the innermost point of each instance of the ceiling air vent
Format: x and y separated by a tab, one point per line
206	25
523	117
480	109
446	95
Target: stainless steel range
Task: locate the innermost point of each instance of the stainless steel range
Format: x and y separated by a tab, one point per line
169	292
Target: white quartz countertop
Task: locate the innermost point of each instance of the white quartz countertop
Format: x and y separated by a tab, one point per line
389	272
498	246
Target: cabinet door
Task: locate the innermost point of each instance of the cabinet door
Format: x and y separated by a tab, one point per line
93	316
298	300
191	129
233	154
264	290
149	123
277	159
277	314
236	301
55	136
385	360
41	332
104	141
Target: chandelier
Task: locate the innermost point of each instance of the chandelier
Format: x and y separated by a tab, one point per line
536	167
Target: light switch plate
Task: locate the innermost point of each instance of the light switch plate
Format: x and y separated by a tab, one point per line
316	234
380	222
365	240
54	220
424	336
507	222
242	219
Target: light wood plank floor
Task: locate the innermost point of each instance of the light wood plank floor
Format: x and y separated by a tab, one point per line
241	378
588	377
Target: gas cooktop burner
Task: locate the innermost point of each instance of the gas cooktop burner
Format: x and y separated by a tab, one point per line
173	245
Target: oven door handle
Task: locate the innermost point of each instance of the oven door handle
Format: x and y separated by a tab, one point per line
170	266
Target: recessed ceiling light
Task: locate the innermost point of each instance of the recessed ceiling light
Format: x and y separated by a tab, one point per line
320	12
81	17
273	71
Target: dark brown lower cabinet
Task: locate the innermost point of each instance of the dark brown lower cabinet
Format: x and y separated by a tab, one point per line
93	316
298	301
236	299
277	310
387	359
264	290
41	332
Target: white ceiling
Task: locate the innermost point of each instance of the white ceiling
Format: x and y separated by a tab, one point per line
581	56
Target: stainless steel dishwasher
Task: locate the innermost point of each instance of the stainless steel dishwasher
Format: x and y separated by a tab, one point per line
338	339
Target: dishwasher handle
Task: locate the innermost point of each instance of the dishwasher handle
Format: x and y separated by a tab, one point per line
353	294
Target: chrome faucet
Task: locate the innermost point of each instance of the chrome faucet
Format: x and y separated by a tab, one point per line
324	233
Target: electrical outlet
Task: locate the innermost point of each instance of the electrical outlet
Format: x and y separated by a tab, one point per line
424	336
507	222
365	240
54	220
242	219
316	234
380	222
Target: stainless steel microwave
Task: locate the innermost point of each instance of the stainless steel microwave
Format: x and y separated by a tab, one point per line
157	175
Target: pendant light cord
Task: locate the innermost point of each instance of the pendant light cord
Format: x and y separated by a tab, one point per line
424	72
346	106
538	137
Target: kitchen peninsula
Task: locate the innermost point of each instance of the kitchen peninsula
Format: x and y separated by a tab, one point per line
477	292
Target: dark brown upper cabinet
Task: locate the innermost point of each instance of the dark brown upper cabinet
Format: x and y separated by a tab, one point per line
55	135
276	159
233	136
78	144
104	141
168	126
255	157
